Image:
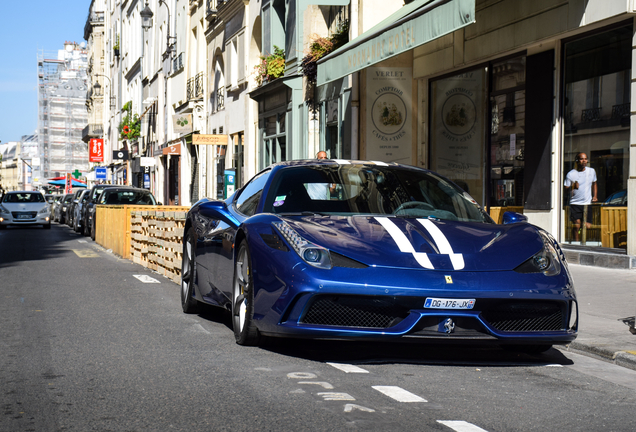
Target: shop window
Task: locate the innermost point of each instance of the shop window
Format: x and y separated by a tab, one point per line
596	113
507	132
458	105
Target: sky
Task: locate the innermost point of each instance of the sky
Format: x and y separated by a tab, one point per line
27	27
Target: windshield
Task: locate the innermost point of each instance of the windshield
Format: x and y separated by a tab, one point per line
23	197
128	197
370	189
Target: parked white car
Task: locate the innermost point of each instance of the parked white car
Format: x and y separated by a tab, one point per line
24	208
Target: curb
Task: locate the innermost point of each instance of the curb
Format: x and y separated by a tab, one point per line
626	359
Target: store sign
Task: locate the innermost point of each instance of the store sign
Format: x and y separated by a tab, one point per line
120	155
199	139
145	161
100	173
96	150
389	114
68	188
458	129
182	123
174	149
415	24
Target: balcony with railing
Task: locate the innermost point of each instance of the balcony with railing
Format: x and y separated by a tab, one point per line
194	87
92	131
220	98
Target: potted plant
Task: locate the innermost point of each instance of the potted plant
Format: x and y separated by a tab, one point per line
271	66
130	125
320	47
116	47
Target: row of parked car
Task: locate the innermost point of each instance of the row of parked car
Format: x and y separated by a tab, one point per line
77	209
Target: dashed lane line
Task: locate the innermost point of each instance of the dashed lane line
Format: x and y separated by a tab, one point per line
348	368
461	426
399	394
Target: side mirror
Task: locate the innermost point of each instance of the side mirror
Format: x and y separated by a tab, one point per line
512	217
158	203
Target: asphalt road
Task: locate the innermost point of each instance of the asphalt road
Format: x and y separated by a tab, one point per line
87	346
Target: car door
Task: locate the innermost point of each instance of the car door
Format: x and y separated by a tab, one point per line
218	243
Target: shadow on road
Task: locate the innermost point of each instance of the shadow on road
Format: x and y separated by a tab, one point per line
33	243
417	352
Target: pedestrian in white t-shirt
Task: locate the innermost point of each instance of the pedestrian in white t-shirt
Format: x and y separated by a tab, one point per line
582	182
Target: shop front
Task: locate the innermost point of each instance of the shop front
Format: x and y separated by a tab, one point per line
520	119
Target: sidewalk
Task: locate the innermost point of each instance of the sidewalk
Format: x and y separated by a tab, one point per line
605	296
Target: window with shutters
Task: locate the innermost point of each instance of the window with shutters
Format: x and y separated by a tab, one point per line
235	61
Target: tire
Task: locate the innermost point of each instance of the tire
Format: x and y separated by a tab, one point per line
188	274
76	227
245	331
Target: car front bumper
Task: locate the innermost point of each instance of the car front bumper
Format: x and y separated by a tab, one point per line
40	219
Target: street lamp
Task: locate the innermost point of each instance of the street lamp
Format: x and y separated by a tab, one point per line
97	88
146	17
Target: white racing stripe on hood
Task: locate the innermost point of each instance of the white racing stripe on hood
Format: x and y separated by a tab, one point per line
403	243
442	243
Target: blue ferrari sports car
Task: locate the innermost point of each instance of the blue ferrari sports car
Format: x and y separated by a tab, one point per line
336	249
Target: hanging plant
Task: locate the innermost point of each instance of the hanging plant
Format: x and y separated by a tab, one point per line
130	125
271	66
320	47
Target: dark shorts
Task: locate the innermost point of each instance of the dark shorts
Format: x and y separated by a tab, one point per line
576	212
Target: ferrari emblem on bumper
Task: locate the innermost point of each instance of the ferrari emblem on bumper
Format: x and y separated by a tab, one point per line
449	279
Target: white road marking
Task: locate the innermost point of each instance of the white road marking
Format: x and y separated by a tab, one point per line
146	279
461	426
399	394
334	396
301	375
323	384
81	241
347	368
351	407
85	253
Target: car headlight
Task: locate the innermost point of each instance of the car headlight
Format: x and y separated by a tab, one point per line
545	261
3	210
43	210
311	253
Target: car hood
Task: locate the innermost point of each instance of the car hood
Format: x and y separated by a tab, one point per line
422	243
13	207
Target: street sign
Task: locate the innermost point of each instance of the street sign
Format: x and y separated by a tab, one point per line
96	150
100	173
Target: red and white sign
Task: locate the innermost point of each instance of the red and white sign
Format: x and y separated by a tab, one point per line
68	188
96	150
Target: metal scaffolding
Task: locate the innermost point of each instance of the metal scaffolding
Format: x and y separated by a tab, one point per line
62	115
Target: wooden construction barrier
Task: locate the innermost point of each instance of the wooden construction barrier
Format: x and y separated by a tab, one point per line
114	225
614	227
156	240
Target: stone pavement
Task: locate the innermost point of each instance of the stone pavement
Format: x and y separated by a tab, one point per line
605	297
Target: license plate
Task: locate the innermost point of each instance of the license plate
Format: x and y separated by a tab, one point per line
24	216
446	303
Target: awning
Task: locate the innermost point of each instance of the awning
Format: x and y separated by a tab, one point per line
412	25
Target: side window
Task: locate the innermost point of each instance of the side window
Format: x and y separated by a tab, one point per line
248	200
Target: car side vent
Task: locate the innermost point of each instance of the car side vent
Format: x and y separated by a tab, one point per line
338	260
